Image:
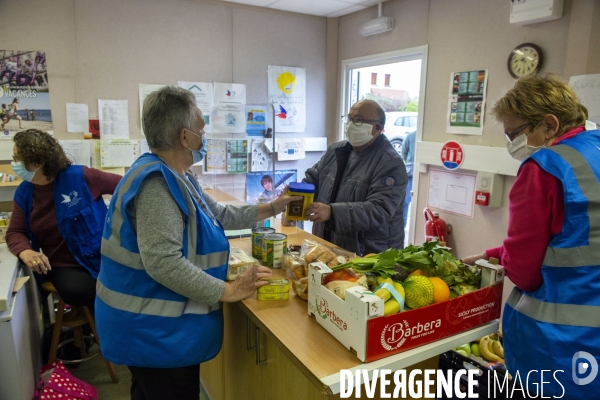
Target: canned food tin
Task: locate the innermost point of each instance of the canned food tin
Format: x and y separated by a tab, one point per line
273	296
257	236
273	249
275	286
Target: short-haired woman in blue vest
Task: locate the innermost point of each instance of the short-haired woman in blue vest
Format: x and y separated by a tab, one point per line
551	321
58	215
165	254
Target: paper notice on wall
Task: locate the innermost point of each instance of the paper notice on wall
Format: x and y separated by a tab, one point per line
260	159
114	119
287	92
290	149
204	93
451	192
78	151
466	102
216	156
118	153
145	90
230	93
228	119
587	88
77	117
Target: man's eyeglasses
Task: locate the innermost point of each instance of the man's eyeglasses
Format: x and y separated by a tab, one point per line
511	136
358	121
16	158
196	134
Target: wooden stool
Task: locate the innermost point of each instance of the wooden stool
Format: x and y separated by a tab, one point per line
74	319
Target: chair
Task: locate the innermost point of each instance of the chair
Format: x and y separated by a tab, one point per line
75	319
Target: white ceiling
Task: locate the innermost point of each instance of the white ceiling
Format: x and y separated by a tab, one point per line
322	8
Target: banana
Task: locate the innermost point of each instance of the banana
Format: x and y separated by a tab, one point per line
485	346
391	307
498	349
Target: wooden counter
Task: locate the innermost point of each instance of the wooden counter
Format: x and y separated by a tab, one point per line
301	360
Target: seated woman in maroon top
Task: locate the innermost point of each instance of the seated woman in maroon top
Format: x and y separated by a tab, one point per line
34	235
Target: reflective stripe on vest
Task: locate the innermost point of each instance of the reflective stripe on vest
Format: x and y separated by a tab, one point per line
553	313
581	255
158	307
111	248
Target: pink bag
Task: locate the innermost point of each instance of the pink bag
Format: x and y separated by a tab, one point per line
56	382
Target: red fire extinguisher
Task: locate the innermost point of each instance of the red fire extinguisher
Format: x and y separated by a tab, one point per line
435	227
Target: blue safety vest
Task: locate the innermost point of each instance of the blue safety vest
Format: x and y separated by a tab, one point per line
547	329
79	218
141	322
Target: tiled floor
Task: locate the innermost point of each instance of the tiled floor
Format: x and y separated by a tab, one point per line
95	373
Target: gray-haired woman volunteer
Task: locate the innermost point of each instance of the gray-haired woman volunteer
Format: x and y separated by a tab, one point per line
164	257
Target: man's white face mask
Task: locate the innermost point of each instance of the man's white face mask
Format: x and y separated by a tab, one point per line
358	135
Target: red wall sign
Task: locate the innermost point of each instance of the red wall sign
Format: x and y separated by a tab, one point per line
452	155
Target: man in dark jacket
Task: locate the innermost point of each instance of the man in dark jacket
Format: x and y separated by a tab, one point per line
360	185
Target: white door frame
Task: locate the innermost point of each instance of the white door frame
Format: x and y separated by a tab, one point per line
414	53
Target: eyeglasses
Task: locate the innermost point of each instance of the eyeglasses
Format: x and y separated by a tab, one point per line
358	121
195	134
16	158
511	136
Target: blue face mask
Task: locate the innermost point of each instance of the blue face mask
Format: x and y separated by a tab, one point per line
199	154
21	171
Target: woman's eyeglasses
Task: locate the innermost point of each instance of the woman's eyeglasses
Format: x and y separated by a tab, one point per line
511	136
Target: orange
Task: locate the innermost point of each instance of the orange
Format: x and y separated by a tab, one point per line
419	272
441	291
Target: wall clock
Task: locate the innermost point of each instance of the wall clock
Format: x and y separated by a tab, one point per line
525	59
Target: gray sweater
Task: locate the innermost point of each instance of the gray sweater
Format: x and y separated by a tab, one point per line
160	237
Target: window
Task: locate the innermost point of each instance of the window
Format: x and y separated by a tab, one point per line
401	99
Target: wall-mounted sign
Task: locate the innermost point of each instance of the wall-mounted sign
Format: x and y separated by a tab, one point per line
452	155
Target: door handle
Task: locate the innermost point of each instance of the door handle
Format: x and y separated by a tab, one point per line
249	346
258	360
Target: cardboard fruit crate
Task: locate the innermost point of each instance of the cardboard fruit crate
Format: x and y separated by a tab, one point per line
358	321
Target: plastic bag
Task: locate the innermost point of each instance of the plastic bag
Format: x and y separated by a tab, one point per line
296	267
239	262
56	382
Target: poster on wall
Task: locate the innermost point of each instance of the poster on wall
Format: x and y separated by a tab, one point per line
25	94
287	93
466	102
226	156
203	91
262	187
228	119
256	120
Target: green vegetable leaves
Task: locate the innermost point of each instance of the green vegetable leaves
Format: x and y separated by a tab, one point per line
437	261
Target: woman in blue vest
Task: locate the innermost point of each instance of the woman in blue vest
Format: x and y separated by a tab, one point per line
551	322
58	216
165	254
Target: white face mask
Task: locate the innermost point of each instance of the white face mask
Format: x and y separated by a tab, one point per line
358	135
520	150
